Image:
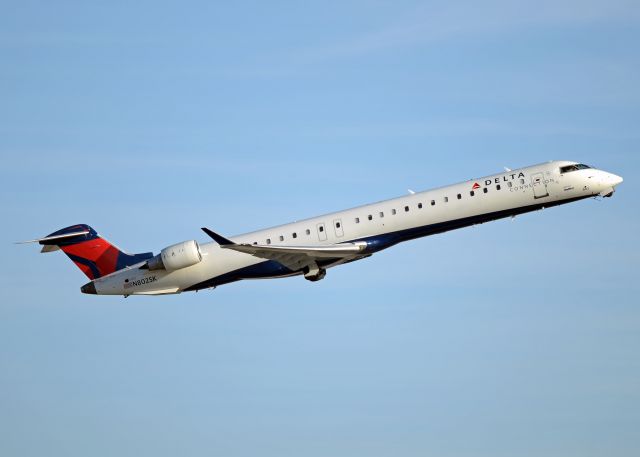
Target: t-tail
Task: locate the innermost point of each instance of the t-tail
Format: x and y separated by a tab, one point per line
94	255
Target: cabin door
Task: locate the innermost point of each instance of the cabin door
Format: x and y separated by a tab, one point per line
539	186
322	231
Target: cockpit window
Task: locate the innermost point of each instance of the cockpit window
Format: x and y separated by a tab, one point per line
576	167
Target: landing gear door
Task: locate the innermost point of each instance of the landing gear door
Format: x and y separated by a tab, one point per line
322	232
539	186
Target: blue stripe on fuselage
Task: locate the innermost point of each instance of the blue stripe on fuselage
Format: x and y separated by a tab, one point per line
267	269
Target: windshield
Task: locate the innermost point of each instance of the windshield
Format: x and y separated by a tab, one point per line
576	167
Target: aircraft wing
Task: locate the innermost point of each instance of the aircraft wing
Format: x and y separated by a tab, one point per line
295	257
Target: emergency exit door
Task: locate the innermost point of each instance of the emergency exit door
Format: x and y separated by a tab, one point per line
322	232
337	225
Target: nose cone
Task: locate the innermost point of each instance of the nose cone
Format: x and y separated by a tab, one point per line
615	179
89	288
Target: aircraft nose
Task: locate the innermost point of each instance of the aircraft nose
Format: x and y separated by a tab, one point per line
615	179
89	288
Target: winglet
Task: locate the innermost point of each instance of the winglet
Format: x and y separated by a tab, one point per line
221	240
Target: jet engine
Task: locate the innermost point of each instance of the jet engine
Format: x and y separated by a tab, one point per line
176	256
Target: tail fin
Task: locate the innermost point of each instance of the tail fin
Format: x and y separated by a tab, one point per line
94	255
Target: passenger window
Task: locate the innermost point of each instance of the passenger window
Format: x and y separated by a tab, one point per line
433	203
472	193
268	240
498	187
357	220
321	228
459	196
281	238
446	199
370	217
393	211
295	235
521	181
485	190
419	205
308	232
337	224
381	214
509	184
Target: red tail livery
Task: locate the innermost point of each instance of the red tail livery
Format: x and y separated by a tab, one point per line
94	255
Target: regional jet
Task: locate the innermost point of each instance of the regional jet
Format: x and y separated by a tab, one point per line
311	246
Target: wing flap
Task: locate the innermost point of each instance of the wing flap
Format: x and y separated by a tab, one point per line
330	251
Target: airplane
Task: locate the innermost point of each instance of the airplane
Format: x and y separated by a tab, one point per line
311	246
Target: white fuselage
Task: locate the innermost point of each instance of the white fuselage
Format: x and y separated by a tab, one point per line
380	225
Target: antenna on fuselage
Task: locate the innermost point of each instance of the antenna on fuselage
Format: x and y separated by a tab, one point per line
507	169
411	192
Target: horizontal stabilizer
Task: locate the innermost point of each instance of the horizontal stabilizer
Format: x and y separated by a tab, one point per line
52	239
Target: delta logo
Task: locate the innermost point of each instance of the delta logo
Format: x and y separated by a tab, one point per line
505	178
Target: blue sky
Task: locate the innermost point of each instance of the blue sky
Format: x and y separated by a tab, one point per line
150	120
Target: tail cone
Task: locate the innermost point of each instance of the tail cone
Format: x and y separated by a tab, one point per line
89	288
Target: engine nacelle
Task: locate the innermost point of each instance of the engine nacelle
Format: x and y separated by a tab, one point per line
177	256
